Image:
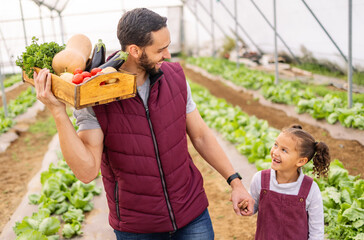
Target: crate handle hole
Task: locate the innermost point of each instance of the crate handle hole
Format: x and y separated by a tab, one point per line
113	81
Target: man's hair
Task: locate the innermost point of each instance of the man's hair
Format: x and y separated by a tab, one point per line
136	26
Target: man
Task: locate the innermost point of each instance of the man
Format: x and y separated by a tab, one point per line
154	190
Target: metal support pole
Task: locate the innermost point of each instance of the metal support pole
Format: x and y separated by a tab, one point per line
350	67
182	31
236	33
41	22
7	51
3	94
212	29
241	28
279	36
3	91
61	25
22	19
197	45
323	28
276	80
53	26
218	25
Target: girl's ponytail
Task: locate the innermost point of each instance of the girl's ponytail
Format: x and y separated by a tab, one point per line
321	159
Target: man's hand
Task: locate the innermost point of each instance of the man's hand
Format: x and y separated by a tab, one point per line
243	203
42	84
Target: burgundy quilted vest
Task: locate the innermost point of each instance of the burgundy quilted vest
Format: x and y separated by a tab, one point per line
151	183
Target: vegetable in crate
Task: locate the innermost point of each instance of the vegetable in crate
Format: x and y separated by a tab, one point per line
98	56
115	60
38	56
75	55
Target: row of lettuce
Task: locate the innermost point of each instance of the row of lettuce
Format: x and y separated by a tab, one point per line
318	101
16	106
343	194
63	201
62	204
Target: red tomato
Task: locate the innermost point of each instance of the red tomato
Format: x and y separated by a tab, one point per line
94	71
86	74
77	78
77	71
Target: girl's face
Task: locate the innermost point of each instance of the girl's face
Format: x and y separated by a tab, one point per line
285	157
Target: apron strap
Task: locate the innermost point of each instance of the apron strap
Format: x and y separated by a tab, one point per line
305	186
265	179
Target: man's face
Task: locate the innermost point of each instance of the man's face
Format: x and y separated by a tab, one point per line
153	56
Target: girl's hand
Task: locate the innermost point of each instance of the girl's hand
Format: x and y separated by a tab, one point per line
243	206
239	195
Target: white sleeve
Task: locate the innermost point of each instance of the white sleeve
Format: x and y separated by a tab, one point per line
191	105
315	211
255	187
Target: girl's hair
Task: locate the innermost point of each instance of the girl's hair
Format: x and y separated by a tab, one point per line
308	147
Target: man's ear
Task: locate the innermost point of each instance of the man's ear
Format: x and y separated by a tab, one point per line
302	161
134	50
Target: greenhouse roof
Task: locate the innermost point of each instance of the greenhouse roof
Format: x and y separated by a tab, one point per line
57	5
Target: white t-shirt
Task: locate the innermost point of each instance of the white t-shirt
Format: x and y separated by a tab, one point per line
314	205
86	117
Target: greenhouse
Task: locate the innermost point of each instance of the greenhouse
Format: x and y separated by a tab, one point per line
135	118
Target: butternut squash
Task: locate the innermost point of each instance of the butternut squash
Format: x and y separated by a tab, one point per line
75	55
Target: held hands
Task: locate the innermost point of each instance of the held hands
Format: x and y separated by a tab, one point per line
243	203
42	84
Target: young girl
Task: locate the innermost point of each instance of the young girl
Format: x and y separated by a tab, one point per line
289	203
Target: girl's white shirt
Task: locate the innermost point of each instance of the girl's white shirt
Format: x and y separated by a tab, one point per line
314	206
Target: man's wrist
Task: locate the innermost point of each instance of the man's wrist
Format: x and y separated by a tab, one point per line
233	177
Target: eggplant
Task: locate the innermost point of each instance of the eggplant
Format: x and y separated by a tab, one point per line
115	60
98	56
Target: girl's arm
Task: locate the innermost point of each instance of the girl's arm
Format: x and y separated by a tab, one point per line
255	187
315	214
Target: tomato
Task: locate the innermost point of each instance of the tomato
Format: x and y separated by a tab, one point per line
85	79
86	74
94	71
77	71
77	78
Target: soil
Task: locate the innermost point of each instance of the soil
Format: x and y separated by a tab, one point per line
10	95
19	163
22	160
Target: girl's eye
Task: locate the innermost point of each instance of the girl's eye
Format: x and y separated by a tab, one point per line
284	150
275	145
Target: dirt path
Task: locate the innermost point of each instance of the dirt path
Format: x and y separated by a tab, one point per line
19	163
14	92
349	152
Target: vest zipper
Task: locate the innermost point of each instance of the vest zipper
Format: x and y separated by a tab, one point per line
117	200
171	215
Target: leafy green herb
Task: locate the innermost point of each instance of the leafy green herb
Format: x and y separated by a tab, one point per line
38	56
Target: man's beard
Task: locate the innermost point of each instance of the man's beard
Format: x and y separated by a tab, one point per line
148	65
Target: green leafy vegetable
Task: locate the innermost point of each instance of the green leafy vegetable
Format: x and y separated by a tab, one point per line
38	56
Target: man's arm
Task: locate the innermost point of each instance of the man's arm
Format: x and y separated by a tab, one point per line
207	146
82	151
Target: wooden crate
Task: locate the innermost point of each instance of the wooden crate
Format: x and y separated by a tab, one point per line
92	92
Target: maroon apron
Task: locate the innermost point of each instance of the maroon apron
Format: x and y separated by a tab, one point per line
282	216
